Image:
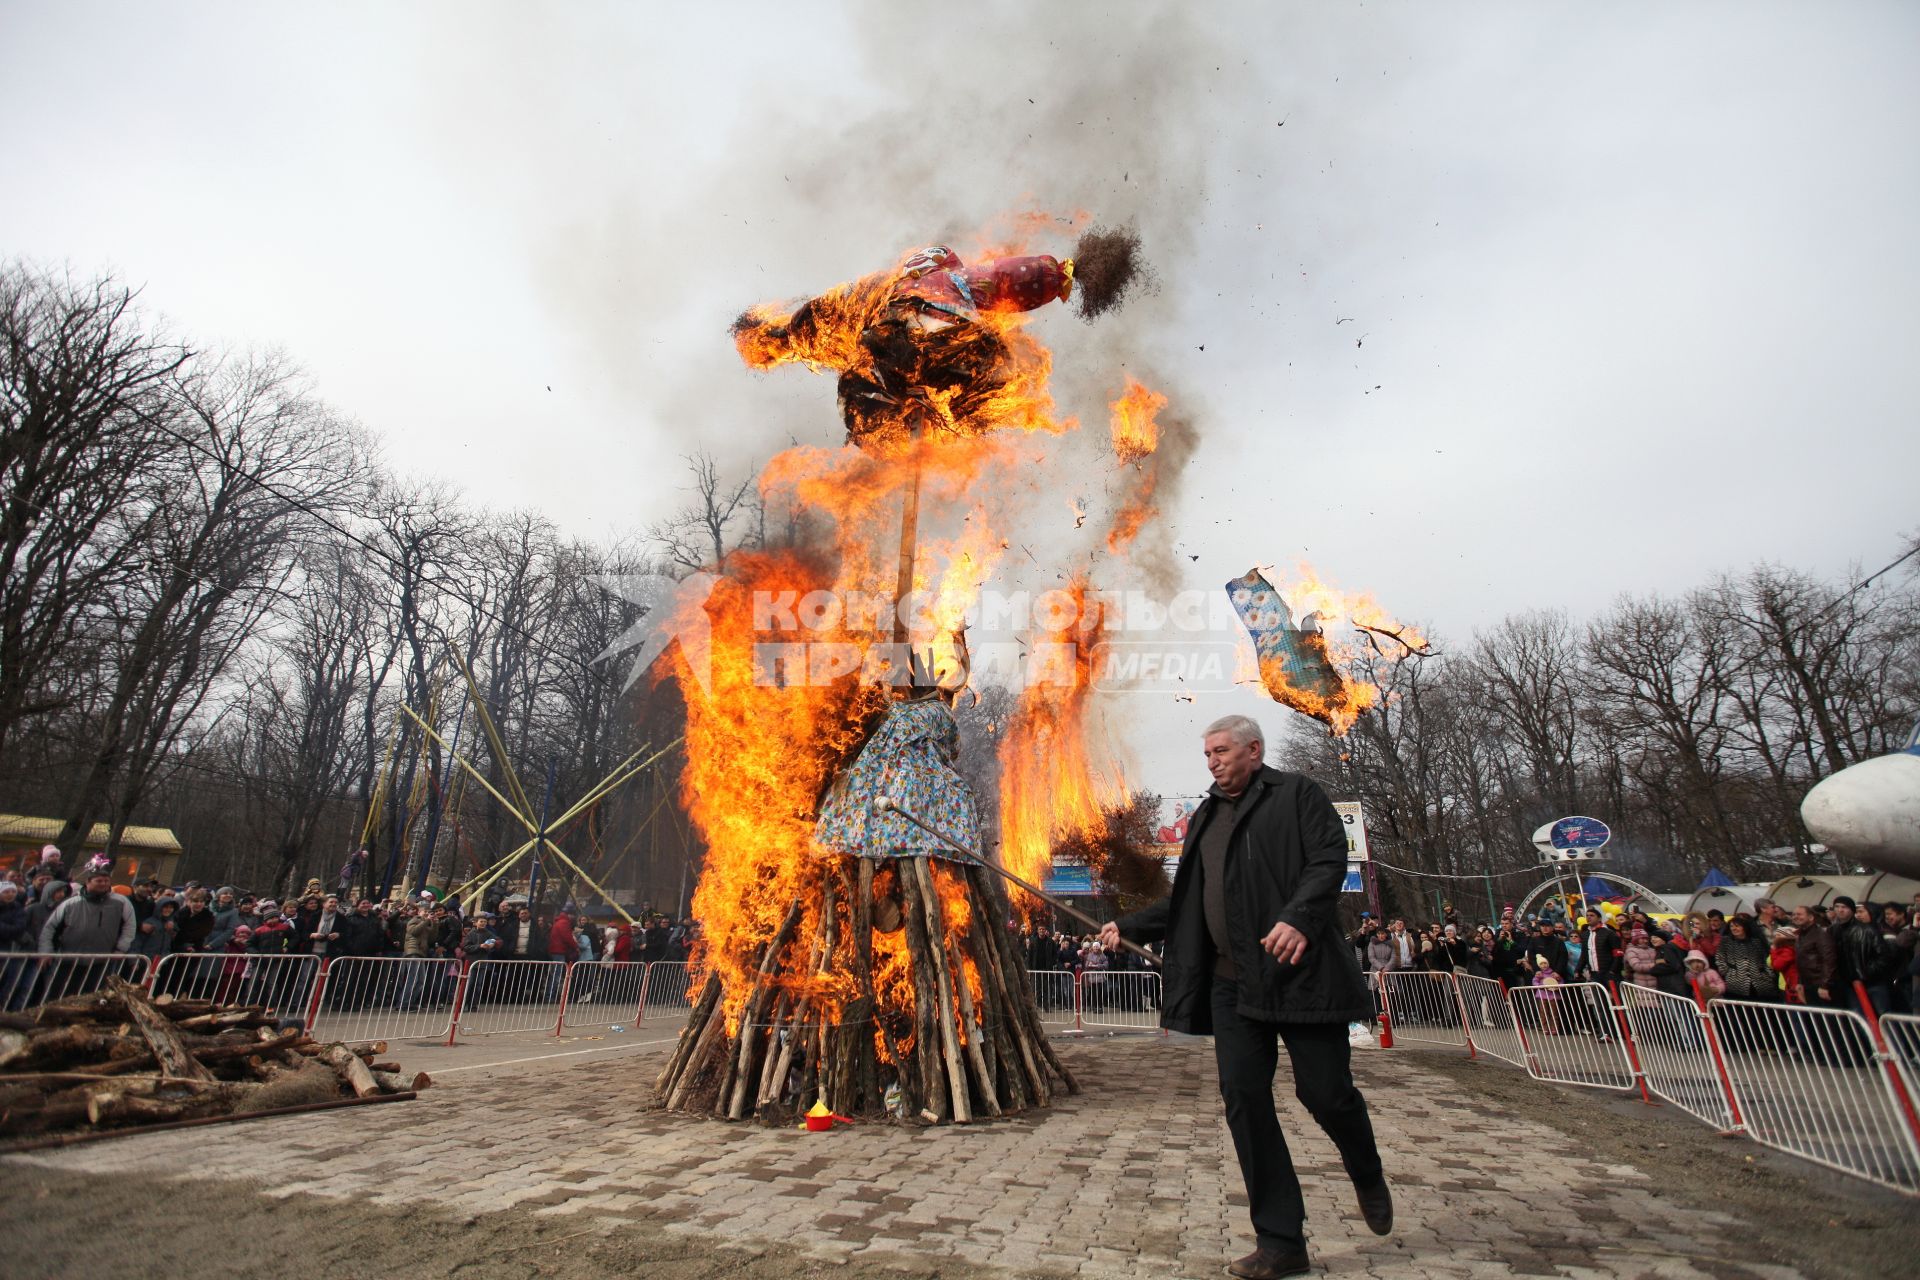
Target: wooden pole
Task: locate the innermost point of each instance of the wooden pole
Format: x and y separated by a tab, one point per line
909	540
967	855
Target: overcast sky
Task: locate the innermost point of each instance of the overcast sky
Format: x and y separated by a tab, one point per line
1632	287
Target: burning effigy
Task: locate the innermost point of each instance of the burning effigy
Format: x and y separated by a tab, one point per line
856	950
857	954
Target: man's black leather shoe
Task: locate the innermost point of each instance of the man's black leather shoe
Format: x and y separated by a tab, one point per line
1270	1264
1376	1206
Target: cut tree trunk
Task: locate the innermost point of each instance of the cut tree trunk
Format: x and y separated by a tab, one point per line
160	1034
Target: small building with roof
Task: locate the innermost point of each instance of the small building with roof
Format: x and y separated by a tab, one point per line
143	851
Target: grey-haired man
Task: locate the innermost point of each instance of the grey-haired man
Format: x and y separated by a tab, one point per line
1254	957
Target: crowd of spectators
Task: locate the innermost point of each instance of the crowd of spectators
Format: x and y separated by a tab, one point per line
1047	949
50	912
1807	955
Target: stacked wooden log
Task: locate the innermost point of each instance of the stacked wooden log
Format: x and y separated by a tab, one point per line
936	1049
115	1057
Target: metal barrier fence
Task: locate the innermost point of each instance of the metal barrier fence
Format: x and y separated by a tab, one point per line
1677	1054
363	998
1129	1000
503	996
1902	1032
1491	1018
1811	1083
1058	997
284	984
1425	1006
604	993
36	977
1569	1035
668	991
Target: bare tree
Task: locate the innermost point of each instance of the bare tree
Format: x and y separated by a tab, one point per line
425	540
227	519
302	745
1531	670
81	382
696	537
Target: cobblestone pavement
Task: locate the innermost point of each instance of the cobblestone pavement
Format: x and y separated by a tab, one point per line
1134	1178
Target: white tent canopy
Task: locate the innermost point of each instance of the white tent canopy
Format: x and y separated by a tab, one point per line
1727	899
1818	891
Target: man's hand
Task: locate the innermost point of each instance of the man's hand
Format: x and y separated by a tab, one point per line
1284	943
1110	936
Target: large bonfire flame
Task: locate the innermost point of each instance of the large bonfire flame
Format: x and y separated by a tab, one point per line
888	983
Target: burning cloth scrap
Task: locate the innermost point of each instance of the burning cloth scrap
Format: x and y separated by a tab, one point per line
910	759
1294	664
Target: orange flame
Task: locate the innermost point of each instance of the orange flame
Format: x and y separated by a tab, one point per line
1346	620
763	745
1135	433
1049	786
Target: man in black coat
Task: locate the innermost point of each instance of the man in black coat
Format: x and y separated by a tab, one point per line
1863	955
1600	949
1255	957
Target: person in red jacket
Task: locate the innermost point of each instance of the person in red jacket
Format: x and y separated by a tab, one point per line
1784	960
235	966
622	942
561	944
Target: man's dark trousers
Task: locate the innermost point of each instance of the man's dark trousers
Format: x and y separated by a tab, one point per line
1247	1053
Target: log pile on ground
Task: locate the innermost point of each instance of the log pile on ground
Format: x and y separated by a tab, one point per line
115	1058
896	985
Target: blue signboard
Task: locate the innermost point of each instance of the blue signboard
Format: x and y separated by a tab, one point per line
1579	835
1353	883
1069	880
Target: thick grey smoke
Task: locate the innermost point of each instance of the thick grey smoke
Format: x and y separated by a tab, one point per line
966	131
991	112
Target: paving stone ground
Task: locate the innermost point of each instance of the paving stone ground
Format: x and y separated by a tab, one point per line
1134	1178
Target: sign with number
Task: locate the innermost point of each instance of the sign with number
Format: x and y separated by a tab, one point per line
1355	822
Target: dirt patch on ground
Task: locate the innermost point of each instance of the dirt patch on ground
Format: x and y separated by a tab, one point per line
1824	1224
106	1226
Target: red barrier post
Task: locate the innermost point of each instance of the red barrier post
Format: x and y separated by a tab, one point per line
1719	1061
1386	1014
459	1002
319	985
1626	1038
566	989
1885	1051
